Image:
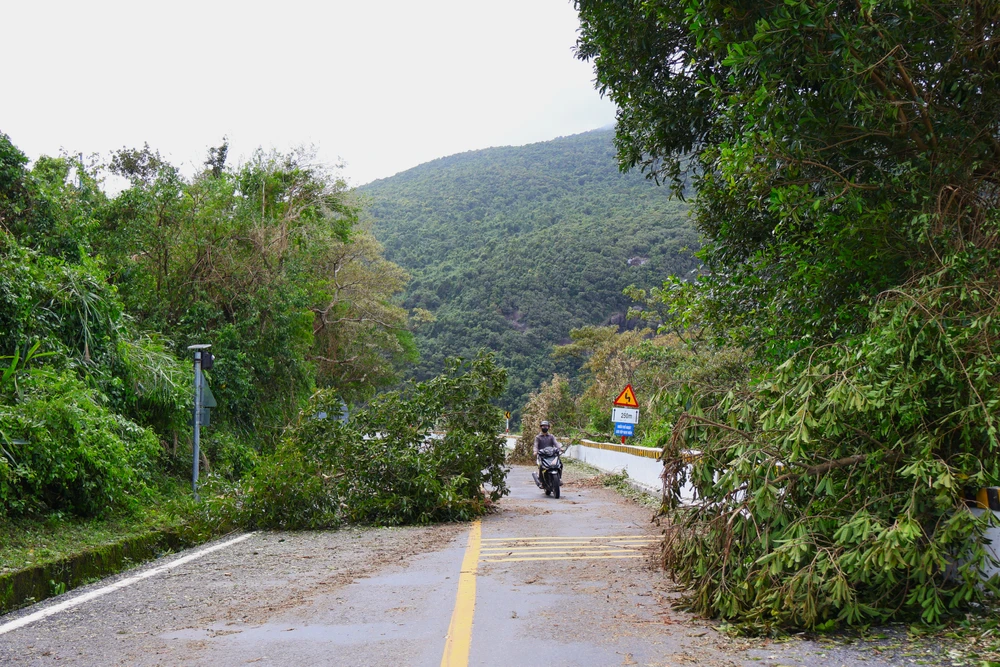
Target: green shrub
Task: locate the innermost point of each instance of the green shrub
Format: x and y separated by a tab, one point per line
286	491
79	457
230	455
832	486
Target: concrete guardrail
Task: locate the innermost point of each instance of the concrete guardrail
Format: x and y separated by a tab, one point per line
641	464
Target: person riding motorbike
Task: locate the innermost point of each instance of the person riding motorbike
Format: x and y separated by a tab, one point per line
543	440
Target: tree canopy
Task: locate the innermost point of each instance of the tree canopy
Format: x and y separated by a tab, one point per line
835	146
270	261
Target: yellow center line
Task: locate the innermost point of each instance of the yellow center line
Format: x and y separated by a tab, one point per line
459	639
514	560
523	550
584	537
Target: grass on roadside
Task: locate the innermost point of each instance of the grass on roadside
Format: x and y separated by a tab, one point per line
36	540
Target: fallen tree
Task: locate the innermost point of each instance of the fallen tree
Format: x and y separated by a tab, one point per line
385	465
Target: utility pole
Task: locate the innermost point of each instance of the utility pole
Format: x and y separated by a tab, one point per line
199	383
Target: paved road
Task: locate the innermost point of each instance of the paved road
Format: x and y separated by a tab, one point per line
555	582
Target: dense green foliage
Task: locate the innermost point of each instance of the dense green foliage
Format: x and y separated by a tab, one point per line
80	382
832	152
76	455
268	263
100	296
840	473
510	248
845	158
383	466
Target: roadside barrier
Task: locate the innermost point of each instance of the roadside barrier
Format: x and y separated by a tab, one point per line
984	500
641	464
634	450
987	498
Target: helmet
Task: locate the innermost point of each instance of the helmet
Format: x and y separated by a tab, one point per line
545	423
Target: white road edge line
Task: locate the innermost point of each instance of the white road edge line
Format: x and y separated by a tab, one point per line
87	597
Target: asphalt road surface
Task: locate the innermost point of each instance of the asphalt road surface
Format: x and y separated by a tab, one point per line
541	582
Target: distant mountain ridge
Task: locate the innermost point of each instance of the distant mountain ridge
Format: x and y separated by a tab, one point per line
512	247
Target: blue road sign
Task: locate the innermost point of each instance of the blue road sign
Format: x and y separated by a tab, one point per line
622	428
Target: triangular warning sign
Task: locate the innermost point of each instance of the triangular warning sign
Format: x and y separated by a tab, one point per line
627	399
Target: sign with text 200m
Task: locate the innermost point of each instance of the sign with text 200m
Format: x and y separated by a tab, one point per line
625	415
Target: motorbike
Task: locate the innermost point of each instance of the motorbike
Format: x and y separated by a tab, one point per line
551	477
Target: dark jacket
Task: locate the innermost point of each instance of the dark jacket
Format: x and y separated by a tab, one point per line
543	440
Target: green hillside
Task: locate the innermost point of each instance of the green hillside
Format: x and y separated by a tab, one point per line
512	247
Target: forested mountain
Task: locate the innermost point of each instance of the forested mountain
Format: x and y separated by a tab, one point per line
512	247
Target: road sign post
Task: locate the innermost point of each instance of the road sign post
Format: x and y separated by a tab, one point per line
506	416
625	414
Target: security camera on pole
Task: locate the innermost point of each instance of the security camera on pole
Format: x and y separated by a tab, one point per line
203	361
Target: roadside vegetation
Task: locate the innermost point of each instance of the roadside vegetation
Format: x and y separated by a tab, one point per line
38	539
827	378
834	366
268	261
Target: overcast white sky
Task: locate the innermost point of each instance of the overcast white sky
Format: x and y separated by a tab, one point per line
385	85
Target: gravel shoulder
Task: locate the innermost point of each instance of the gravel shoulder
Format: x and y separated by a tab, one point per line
172	618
